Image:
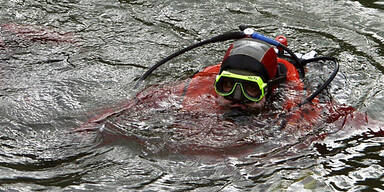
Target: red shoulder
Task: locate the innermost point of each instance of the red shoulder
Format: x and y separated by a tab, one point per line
208	71
292	73
294	82
202	82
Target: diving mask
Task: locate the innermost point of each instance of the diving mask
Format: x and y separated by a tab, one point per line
238	87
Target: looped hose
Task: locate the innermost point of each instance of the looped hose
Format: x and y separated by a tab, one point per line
219	38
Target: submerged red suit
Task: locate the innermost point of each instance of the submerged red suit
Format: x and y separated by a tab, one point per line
200	88
189	117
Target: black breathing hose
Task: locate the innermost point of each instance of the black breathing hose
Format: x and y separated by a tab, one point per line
326	83
223	37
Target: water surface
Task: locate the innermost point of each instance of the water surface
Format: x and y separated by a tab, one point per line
66	63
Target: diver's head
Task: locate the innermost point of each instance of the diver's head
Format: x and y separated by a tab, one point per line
245	71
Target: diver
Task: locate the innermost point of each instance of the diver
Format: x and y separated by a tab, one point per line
229	104
246	77
249	72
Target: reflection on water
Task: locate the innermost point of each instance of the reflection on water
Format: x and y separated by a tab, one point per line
373	4
353	162
66	65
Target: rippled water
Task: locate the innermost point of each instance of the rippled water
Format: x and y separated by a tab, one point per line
67	71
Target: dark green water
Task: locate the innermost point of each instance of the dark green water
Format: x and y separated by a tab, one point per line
65	62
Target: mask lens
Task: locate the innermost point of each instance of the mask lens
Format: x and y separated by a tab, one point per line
225	84
252	89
